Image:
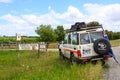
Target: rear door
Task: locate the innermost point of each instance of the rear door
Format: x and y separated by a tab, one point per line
93	37
86	46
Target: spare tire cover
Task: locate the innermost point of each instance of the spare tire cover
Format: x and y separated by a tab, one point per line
102	46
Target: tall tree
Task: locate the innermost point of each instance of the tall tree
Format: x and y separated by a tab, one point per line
60	33
47	34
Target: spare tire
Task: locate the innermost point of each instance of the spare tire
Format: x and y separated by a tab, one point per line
101	46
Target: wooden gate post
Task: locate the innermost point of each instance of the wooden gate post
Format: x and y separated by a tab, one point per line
38	49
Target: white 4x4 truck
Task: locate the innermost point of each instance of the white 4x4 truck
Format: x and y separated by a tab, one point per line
82	44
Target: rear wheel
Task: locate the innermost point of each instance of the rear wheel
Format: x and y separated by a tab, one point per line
94	62
103	62
73	60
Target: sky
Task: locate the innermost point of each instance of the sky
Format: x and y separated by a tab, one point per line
24	16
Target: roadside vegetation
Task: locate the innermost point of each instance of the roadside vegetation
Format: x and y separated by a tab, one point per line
27	66
115	43
49	35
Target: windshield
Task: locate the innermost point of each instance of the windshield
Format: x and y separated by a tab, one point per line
95	35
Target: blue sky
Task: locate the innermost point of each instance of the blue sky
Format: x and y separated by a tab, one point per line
23	16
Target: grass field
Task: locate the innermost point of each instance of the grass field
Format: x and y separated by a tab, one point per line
27	66
115	42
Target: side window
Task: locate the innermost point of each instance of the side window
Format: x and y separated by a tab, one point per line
65	39
75	39
69	39
84	38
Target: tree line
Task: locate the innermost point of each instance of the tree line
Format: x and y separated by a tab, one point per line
113	35
48	34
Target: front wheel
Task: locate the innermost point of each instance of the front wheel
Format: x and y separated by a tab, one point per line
61	55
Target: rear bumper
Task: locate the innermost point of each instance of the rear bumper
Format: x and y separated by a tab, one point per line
95	58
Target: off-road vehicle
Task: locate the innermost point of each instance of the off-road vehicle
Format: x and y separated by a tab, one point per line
82	44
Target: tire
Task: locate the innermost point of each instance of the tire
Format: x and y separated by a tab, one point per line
61	55
103	62
73	60
94	62
101	46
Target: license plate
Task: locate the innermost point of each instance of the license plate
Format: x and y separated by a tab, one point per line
87	51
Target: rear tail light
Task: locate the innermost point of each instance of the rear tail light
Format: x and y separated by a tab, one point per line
108	56
79	53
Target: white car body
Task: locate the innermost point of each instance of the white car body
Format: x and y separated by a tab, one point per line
76	45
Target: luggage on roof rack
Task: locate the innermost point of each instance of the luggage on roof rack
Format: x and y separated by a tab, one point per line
79	26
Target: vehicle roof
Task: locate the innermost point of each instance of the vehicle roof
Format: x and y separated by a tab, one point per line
87	29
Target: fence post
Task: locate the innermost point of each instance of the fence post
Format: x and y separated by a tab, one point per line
2	45
46	44
38	49
18	49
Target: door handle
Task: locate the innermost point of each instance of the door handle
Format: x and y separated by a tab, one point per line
74	48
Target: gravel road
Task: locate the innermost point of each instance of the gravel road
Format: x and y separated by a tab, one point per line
113	72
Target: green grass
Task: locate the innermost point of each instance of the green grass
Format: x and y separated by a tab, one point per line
115	42
27	66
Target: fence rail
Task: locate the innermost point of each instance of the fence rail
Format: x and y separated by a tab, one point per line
8	46
14	45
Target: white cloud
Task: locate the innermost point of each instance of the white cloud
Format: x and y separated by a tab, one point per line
12	19
42	19
13	12
5	1
108	11
16	24
73	13
33	19
49	8
107	15
27	10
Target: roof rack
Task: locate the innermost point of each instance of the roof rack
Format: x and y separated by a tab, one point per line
80	26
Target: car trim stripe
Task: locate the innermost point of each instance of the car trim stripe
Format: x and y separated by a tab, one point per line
74	51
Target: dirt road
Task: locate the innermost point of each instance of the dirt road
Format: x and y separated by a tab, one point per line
113	72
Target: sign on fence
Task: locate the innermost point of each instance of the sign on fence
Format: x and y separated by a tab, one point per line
28	46
33	46
42	45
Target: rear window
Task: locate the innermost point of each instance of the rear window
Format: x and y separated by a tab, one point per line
84	38
95	35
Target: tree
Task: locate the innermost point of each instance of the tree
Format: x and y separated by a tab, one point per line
93	23
113	35
60	33
47	34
